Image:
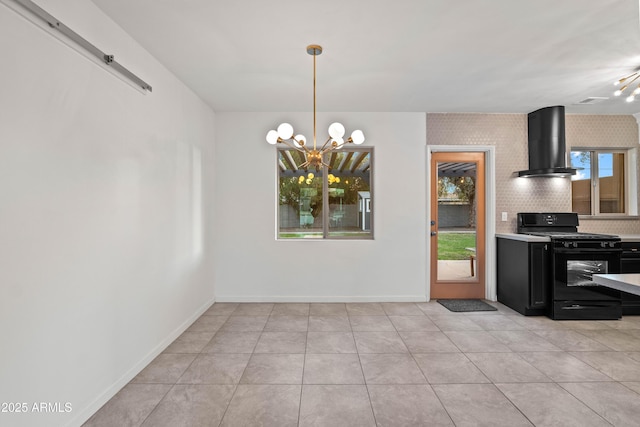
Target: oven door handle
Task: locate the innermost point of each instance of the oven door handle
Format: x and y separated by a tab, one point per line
584	306
603	251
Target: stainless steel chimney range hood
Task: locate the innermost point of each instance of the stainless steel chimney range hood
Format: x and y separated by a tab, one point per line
547	146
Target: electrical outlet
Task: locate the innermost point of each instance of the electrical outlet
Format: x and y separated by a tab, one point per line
504	216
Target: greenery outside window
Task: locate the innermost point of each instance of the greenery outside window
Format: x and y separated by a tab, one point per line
333	202
601	185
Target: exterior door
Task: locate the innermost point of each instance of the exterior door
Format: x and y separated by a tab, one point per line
457	229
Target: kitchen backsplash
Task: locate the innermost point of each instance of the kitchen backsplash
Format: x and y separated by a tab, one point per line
508	133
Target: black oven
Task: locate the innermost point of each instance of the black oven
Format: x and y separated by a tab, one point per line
574	295
574	258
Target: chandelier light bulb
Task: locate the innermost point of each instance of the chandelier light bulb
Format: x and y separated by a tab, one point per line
336	130
285	131
337	142
630	98
617	93
299	141
272	137
357	137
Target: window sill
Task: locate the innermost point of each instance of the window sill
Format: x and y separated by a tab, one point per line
610	217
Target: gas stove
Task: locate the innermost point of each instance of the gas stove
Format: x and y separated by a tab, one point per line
574	257
557	226
562	229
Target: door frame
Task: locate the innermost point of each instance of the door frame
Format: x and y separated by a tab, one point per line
490	213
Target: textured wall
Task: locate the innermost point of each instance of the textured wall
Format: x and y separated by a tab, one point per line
508	133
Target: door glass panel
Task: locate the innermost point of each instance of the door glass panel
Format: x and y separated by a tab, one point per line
456	228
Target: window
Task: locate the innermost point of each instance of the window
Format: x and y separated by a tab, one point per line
600	187
332	202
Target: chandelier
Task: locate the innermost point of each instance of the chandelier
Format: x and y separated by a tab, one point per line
314	156
631	78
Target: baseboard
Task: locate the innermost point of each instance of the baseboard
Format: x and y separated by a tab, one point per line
111	391
283	298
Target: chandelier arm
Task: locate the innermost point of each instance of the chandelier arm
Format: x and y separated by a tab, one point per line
624	79
325	144
634	79
293	147
325	152
628	84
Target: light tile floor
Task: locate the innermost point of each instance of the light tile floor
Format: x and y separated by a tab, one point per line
385	364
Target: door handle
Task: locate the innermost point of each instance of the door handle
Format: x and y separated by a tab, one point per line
433	233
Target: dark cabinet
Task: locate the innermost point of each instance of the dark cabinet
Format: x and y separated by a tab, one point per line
523	277
630	263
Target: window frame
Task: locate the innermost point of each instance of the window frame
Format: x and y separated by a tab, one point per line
326	229
630	182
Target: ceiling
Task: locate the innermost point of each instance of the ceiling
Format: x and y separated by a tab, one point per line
491	56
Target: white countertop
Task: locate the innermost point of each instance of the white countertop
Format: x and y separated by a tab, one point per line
630	237
622	282
523	237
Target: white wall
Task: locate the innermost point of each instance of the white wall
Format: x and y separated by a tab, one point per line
251	265
105	196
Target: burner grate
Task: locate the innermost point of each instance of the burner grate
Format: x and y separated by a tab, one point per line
574	236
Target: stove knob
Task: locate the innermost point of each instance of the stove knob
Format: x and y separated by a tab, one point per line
575	244
612	244
566	244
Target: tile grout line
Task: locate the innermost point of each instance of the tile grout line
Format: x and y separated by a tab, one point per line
364	378
423	373
585	404
235	385
178	379
235	390
304	364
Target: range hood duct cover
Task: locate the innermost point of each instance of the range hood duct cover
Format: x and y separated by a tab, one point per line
547	145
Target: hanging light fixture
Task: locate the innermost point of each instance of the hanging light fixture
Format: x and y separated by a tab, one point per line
631	78
314	156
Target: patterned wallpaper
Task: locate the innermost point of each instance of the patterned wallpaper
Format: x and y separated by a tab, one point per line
508	133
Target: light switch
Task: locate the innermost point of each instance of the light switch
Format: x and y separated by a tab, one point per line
504	216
